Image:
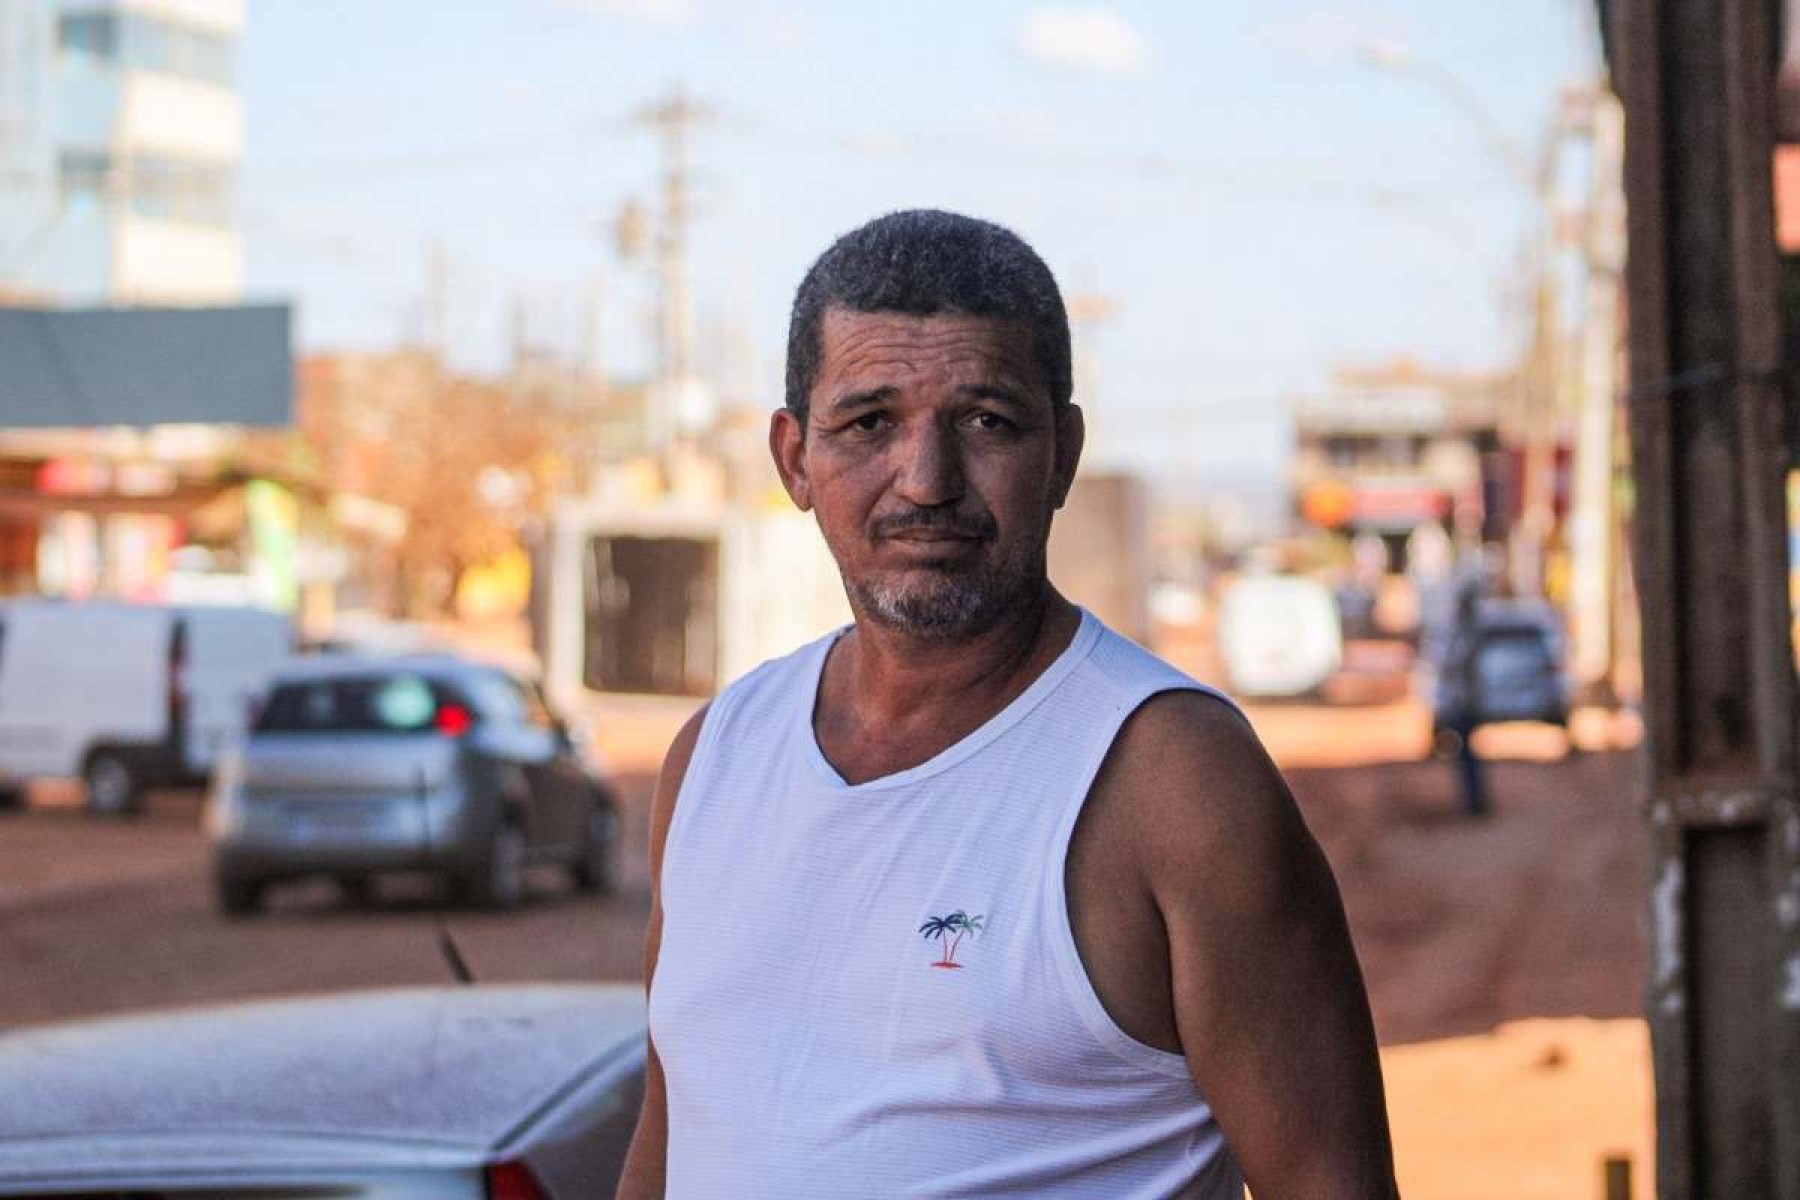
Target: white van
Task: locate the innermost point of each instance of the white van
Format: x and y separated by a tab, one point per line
127	696
1279	635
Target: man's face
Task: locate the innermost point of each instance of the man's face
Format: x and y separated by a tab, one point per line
933	460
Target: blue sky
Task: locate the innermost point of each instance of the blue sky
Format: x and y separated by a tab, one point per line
1257	200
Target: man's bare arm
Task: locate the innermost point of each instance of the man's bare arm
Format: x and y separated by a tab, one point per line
1269	1003
645	1164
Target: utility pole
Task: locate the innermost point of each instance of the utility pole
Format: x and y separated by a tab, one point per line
521	334
674	120
1088	311
1534	417
589	364
1709	451
1593	519
436	331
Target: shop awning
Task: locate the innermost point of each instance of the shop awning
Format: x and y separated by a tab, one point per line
97	368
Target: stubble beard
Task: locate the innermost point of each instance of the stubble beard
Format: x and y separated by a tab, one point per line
944	604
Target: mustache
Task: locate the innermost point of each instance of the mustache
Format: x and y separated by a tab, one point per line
971	525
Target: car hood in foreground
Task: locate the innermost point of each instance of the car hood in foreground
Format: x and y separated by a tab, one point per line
360	1080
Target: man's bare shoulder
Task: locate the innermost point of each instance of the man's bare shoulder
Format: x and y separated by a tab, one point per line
681	748
669	781
1196	785
1267	999
1180	743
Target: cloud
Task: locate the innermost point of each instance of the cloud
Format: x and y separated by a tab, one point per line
1333	32
773	26
649	12
521	95
1086	39
786	31
1024	126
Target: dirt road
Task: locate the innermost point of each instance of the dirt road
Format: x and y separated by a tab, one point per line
1461	927
97	917
1533	912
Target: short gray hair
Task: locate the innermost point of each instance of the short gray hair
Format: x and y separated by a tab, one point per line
925	262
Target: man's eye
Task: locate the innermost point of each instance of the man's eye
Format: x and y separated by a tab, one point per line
991	422
869	422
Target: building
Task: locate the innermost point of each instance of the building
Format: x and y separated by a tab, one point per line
1100	550
660	594
121	134
1389	449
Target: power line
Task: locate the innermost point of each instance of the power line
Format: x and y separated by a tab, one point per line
424	162
674	118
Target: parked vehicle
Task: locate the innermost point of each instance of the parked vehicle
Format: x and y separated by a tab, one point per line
524	1092
125	696
359	765
1519	672
1279	635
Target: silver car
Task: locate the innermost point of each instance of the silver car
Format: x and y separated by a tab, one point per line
527	1092
357	766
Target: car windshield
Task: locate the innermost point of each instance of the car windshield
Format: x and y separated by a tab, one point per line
1519	650
396	703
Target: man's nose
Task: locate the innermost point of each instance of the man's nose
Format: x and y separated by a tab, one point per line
931	471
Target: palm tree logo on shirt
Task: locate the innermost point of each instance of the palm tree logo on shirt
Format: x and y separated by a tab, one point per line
949	932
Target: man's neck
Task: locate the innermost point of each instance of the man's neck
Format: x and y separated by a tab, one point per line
891	699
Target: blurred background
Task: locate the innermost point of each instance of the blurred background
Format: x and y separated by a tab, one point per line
457	327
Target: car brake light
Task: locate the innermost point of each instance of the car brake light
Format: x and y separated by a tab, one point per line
453	720
513	1181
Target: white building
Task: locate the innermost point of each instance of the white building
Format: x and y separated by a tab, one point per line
121	133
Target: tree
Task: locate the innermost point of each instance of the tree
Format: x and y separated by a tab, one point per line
400	428
949	932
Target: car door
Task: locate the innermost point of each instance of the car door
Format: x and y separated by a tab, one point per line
567	790
526	745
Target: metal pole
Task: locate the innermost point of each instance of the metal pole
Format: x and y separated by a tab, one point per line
1591	516
1537	417
1709	453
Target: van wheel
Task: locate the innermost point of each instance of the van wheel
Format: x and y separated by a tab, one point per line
498	879
356	891
111	785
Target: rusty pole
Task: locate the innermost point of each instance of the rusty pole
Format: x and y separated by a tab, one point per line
1708	424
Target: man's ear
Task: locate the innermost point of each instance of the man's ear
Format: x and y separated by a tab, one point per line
787	446
1071	435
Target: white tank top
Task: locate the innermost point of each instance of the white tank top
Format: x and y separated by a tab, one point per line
873	991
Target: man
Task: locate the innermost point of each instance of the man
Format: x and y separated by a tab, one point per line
976	898
1461	683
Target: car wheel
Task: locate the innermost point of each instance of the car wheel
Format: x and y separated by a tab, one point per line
111	786
593	871
357	891
498	880
1571	744
12	799
237	896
